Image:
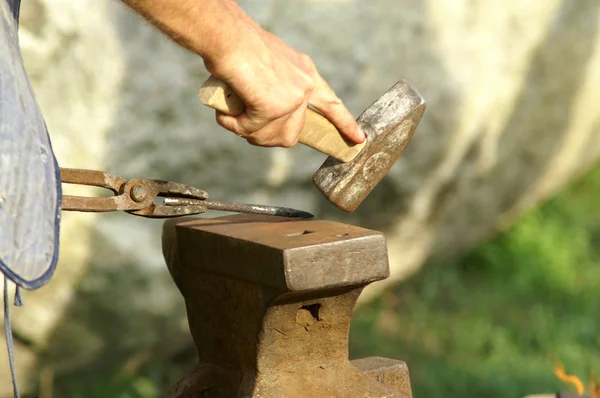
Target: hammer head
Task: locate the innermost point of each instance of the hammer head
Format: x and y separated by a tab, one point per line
389	124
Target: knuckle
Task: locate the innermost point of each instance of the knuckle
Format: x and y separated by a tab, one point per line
281	107
308	72
273	113
289	136
334	101
309	85
329	103
258	140
255	142
297	99
288	141
306	61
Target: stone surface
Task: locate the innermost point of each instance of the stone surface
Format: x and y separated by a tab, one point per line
511	90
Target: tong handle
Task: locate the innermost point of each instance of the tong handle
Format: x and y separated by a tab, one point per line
121	201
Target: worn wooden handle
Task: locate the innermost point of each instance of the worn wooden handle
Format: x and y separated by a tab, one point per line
318	132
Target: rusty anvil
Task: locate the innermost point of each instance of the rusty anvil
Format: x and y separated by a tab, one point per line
351	172
269	302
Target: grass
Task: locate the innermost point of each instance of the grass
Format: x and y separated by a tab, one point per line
490	325
494	323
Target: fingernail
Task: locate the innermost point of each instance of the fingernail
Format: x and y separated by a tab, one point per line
362	134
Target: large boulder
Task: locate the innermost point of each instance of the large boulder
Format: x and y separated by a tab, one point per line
512	115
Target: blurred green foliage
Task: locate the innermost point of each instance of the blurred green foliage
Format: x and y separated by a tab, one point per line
490	325
494	323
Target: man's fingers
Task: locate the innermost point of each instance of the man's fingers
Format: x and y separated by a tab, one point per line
270	135
242	125
326	102
282	132
294	126
230	123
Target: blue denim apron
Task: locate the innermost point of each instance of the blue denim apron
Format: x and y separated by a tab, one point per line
30	189
29	176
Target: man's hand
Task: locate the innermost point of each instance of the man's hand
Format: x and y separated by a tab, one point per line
275	81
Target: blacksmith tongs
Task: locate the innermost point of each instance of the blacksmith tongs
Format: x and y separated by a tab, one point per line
142	197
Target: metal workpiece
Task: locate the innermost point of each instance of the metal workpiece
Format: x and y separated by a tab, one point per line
235	207
269	303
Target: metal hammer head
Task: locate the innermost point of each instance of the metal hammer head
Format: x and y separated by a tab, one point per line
389	124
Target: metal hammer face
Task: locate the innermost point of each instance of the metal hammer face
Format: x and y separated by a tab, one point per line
389	124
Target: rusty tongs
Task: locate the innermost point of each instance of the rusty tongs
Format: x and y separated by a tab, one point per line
140	197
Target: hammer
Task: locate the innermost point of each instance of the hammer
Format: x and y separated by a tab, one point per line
351	171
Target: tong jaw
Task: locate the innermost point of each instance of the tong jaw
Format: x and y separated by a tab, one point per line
133	196
148	190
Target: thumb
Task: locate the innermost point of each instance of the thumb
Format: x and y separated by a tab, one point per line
326	102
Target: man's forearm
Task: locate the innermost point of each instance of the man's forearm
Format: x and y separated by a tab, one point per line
210	28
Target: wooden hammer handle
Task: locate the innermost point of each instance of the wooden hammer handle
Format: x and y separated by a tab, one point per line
318	132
